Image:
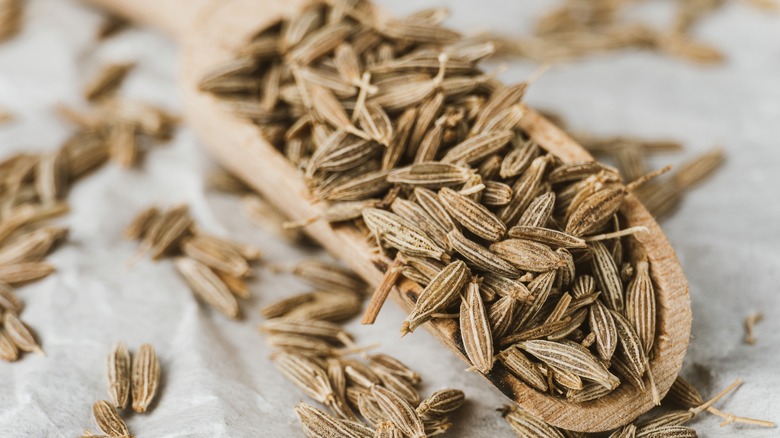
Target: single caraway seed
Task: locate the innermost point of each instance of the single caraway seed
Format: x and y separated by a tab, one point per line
443	290
571	359
108	419
145	377
207	286
18	332
119	376
441	403
399	412
640	306
472	215
475	329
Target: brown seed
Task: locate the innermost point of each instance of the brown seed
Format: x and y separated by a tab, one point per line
544	330
376	123
480	256
207	286
123	142
51	177
166	231
539	211
478	147
400	142
319	42
8	300
299	26
697	169
369	409
387	430
640	306
540	289
146	377
338	382
416	214
399	412
327	275
630	345
475	330
442	291
589	392
546	236
684	394
571	359
334	306
360	187
430	175
575	321
341	153
441	403
603	326
628	431
670	418
305	374
527	255
565	379
284	306
393	366
107	80
320	329
141	223
108	419
595	211
559	311
524	190
622	369
433	206
119	376
502	314
517	160
668	432
518	364
499	101
236	285
400	386
526	425
583	285
20	334
577	171
21	273
505	287
28	215
489	169
318	424
8	350
218	257
413	29
429	111
360	374
472	215
607	275
496	194
401	234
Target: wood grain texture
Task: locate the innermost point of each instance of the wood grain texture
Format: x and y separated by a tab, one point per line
238	145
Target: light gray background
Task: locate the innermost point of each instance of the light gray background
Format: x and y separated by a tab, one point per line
217	380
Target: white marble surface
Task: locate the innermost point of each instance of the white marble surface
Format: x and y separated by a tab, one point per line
217	380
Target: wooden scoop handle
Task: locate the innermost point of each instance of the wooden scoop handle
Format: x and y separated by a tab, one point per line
174	17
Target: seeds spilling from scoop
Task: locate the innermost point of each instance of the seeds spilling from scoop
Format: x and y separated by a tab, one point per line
215	268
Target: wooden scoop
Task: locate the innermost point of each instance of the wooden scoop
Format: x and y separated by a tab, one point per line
210	31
